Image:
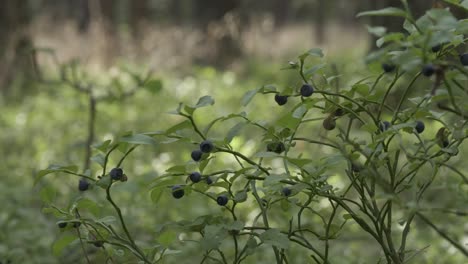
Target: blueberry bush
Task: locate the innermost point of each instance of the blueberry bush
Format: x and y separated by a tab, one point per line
332	158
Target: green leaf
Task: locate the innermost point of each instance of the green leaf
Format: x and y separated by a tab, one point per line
104	182
316	52
377	31
205	101
248	96
361	89
103	146
54	168
273	179
251	246
177	169
99	159
236	225
90	205
167	238
153	85
275	238
48	194
240	196
389	11
299	162
462	4
315	68
214	236
347	216
180	126
138	139
64	240
156	193
299	112
234	131
107	219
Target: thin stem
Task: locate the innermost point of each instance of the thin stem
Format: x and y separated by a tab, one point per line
122	222
443	234
91	131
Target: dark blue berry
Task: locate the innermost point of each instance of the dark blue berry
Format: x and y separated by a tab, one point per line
428	70
388	67
83	185
286	191
222	200
339	112
355	168
383	126
206	146
307	90
208	180
62	224
116	174
464	59
197	155
178	191
445	143
98	243
419	127
281	99
436	48
76	224
277	147
195	177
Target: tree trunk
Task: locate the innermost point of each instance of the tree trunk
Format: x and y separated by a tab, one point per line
15	43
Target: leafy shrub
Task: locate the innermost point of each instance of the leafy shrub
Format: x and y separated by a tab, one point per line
274	197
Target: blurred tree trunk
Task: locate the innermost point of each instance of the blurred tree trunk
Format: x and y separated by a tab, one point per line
103	31
393	24
138	15
320	21
175	9
281	10
83	16
219	21
15	43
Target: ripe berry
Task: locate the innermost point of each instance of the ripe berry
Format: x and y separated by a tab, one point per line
222	200
195	177
329	123
277	147
206	146
383	126
339	112
116	174
62	224
436	48
464	59
98	243
177	191
428	70
445	143
307	90
197	155
76	224
208	180
83	185
281	99
419	127
355	168
286	191
388	67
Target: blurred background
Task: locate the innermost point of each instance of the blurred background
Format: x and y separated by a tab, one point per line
176	34
192	48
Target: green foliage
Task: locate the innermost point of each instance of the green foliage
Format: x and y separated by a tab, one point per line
346	175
